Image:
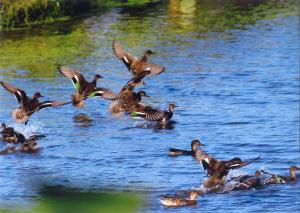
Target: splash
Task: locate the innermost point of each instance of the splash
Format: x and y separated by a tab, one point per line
33	127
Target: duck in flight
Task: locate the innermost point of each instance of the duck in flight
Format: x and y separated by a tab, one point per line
128	99
28	106
84	88
136	65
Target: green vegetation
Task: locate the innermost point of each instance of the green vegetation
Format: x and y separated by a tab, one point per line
61	199
36	50
22	13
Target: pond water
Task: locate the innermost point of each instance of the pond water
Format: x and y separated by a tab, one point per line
233	75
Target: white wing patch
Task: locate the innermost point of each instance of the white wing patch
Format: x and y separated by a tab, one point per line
125	58
206	160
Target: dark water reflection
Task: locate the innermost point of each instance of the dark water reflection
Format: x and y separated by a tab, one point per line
237	88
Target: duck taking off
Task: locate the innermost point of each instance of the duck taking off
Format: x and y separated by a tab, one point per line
84	88
127	98
28	106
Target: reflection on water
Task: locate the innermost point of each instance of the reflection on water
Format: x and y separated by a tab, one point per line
232	67
82	120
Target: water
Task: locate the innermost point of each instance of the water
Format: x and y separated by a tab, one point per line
237	90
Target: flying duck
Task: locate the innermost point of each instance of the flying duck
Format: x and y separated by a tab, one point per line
136	65
128	99
84	88
28	106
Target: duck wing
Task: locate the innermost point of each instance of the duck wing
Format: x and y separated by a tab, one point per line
176	152
147	113
19	93
77	79
236	163
46	104
123	55
104	93
155	69
135	80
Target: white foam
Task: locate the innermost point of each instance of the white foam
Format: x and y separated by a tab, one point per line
33	127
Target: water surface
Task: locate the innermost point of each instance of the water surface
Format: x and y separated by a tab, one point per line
236	87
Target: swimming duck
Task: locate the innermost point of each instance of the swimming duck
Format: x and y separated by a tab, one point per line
176	201
28	105
276	179
152	114
84	88
127	98
194	147
28	146
10	135
248	181
135	65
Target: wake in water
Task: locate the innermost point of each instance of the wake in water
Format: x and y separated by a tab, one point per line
32	128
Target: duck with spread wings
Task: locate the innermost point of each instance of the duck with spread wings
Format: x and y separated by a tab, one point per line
84	88
136	65
28	106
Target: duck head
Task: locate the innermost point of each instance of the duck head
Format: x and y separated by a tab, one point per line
172	107
293	170
142	94
97	76
37	95
257	174
149	52
195	144
193	195
3	126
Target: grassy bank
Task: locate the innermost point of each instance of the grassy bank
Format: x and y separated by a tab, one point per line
22	13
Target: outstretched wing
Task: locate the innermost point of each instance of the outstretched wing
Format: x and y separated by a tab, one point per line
126	57
19	93
135	80
155	69
147	113
77	79
46	104
104	93
236	163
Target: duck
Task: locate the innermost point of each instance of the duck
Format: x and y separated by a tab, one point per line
85	89
28	146
217	170
28	106
136	65
176	201
128	99
151	114
9	134
192	152
277	179
248	181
